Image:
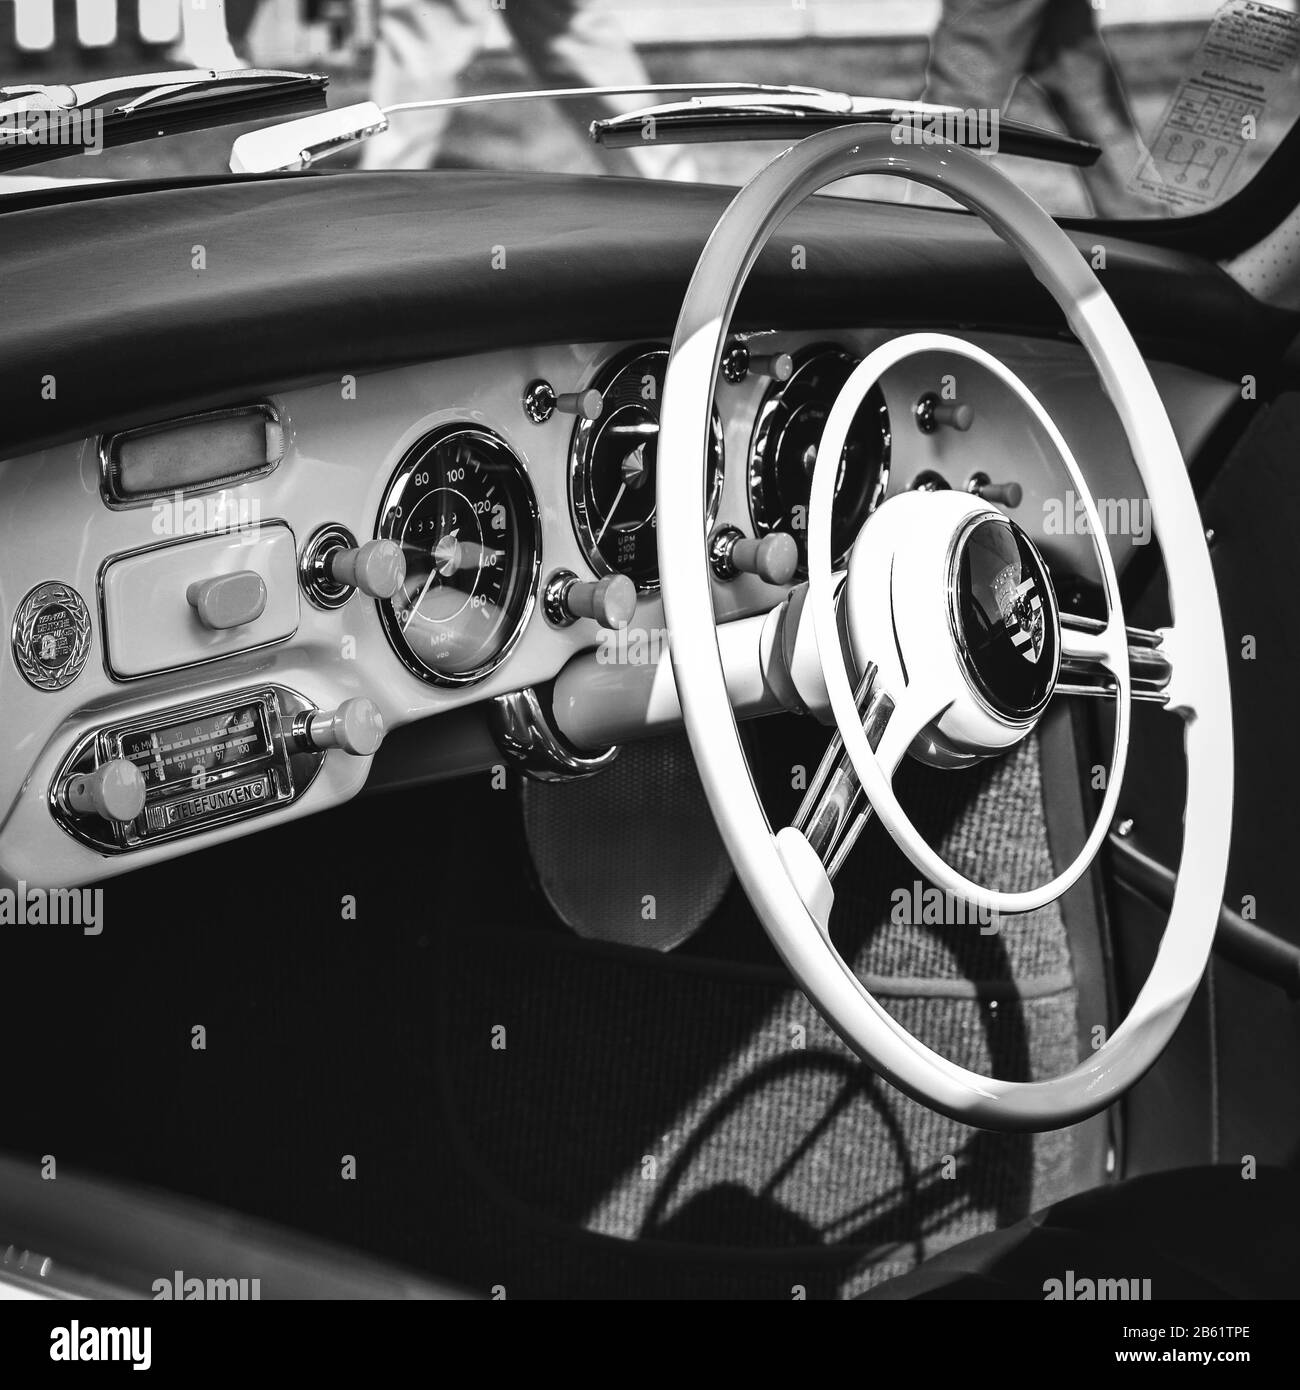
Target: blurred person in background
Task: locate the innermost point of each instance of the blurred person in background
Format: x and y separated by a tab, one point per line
207	27
982	48
423	47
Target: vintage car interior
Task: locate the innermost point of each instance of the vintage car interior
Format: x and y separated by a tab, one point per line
468	626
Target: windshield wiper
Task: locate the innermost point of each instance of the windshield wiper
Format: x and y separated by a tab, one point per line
43	122
796	114
723	111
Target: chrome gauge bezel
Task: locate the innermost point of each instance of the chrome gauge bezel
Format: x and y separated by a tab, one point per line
532	525
586	432
806	359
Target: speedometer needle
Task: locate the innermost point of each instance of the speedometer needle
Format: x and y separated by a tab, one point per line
433	571
415	607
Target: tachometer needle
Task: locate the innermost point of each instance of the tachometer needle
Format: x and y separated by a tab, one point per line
609	515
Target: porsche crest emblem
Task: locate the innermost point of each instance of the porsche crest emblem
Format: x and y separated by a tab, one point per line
1021	606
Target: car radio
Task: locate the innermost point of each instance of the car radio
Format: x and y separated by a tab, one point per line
197	766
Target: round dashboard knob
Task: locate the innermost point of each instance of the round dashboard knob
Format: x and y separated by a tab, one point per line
114	791
357	727
377	568
774	559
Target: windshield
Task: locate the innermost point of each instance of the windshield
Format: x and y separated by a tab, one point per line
1185	98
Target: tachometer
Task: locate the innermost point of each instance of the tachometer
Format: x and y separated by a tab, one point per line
612	471
462	509
784	451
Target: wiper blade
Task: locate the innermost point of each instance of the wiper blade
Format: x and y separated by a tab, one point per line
41	122
705	120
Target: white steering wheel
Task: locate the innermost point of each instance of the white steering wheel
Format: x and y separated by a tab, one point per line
942	638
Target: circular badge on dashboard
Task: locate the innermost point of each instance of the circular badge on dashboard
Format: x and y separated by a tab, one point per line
51	635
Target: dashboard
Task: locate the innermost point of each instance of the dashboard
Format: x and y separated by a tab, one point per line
189	662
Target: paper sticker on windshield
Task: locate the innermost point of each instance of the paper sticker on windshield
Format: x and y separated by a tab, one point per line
1244	59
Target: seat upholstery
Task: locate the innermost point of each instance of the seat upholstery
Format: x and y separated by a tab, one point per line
1192	1232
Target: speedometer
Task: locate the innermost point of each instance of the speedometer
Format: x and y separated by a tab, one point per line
783	453
461	507
612	471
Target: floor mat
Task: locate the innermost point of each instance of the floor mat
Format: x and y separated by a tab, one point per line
703	1110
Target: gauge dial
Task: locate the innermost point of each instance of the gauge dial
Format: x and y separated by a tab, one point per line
612	471
784	451
462	509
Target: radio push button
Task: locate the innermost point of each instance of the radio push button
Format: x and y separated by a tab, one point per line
114	791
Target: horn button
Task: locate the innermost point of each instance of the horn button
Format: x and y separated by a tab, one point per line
1004	617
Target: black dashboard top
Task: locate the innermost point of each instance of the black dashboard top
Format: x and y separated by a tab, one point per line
147	302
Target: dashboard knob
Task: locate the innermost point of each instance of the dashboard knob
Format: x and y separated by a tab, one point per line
738	363
228	600
377	568
933	413
777	366
541	401
1004	494
586	405
114	791
610	601
357	727
774	559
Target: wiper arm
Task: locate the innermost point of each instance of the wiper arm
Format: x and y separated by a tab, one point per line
44	122
304	143
792	116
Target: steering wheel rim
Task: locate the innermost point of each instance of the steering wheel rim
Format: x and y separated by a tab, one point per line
779	878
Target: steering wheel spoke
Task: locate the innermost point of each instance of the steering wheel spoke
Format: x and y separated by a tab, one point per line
1091	649
835	809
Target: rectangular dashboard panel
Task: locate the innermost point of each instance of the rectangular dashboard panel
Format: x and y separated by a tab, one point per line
150	624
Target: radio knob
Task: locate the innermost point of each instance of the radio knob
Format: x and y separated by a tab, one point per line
377	568
357	727
114	791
